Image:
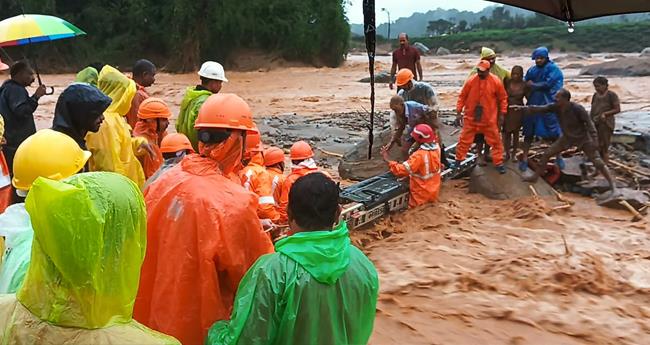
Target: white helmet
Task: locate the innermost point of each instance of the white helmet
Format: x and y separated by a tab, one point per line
212	70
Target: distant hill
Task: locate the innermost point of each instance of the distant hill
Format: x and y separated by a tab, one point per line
416	24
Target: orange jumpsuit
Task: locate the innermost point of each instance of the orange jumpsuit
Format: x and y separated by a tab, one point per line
140	96
423	170
203	235
149	132
296	173
255	178
492	96
277	183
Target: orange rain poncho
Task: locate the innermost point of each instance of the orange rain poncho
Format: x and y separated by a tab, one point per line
423	170
112	146
255	178
306	167
492	96
203	236
149	131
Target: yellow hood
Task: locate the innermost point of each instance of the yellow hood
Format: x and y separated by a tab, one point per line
118	87
89	243
487	53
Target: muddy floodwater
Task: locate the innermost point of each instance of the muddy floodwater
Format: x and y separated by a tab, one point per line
467	270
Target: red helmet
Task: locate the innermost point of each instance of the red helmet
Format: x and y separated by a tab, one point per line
423	133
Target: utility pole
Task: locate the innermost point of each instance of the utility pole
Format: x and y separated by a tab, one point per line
388	13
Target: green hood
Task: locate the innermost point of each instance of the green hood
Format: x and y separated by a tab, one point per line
189	112
324	254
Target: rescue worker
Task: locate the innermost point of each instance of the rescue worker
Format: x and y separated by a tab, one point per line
423	93
86	257
544	79
48	154
174	147
490	56
79	110
422	168
317	289
203	229
112	146
212	77
144	75
255	178
274	163
578	130
17	108
302	163
153	120
405	116
485	102
6	193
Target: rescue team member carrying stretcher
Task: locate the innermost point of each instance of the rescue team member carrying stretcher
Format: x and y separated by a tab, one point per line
577	130
485	103
422	168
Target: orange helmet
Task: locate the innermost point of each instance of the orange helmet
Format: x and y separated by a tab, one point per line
403	77
175	142
301	151
273	156
227	111
253	142
423	133
154	108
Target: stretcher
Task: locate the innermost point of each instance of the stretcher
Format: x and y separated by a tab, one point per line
369	200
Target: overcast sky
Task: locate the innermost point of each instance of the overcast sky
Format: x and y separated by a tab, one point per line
404	8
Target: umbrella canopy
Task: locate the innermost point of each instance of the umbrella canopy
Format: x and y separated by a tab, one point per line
33	28
576	10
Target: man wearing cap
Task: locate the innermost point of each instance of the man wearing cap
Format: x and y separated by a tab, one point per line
485	101
405	57
212	77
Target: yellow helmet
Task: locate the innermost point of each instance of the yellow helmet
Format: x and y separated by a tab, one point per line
49	154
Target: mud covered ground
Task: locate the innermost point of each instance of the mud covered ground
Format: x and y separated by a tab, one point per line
467	270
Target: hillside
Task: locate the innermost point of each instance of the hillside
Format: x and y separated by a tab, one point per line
416	24
629	37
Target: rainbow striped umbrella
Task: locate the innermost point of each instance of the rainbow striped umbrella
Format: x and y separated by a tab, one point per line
33	28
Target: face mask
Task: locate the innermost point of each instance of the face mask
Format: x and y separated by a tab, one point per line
227	154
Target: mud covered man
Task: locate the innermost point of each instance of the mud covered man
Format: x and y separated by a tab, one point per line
578	130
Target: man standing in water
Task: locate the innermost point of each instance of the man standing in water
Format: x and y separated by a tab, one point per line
577	130
405	57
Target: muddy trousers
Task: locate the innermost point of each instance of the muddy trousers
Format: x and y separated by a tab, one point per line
492	137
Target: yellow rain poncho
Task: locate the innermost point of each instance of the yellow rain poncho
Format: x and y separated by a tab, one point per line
89	243
112	147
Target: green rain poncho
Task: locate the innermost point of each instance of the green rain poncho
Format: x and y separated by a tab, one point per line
88	75
317	289
89	243
496	69
190	106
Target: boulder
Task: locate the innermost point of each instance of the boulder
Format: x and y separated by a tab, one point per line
355	164
626	67
574	66
488	182
421	47
636	198
381	77
443	51
645	52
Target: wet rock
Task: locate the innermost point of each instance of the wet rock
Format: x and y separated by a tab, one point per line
628	67
645	52
421	47
574	66
355	164
443	51
381	77
487	181
636	198
613	56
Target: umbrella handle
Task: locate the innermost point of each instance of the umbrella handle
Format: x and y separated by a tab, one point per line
49	90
